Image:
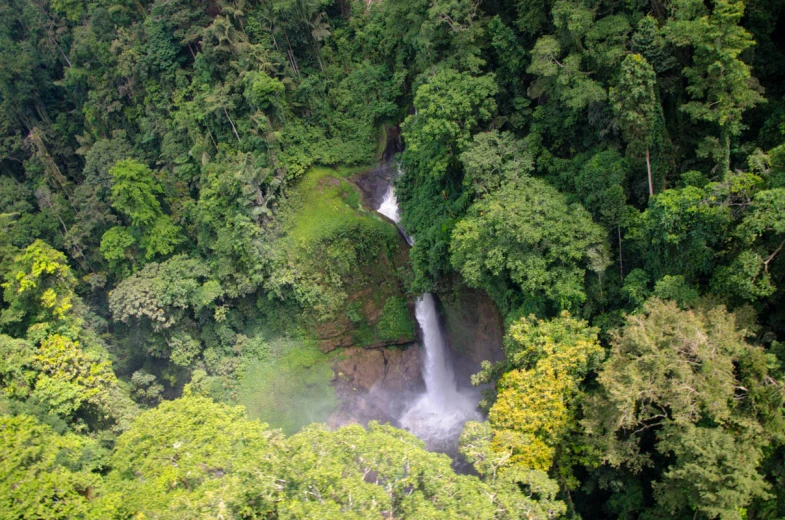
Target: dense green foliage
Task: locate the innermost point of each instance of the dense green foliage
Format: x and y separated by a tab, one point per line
179	217
192	458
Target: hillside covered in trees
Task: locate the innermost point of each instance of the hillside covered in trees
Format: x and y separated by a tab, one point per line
182	232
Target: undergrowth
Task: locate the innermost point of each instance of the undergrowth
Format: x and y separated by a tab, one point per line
290	386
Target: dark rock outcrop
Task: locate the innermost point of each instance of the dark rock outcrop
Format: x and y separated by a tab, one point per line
473	327
374	183
376	384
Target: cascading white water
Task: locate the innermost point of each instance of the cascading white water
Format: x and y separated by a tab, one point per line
389	208
438	415
389	205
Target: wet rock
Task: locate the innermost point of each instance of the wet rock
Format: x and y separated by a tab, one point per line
473	327
393	369
375	384
369	294
374	182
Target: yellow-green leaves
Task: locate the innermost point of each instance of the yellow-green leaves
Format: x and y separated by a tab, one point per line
134	192
43	474
38	289
546	362
70	377
193	458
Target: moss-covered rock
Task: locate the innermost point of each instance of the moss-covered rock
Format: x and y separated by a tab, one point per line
344	264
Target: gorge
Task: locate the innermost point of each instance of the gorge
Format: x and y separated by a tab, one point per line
255	256
438	415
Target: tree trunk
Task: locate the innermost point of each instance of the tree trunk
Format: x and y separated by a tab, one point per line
234	129
318	54
621	259
648	167
725	143
292	59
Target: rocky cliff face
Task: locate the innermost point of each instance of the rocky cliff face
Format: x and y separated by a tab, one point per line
473	327
376	313
376	384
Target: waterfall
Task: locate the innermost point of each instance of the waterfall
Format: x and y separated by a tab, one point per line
389	205
389	208
438	415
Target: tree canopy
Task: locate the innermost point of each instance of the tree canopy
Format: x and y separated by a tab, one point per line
187	225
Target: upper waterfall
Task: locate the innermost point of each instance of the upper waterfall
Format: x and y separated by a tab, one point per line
389	206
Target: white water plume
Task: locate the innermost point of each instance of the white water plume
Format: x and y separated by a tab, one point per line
389	206
437	416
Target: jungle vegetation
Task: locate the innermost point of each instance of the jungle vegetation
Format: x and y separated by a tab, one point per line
177	216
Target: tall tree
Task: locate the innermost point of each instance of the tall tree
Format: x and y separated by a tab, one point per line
721	84
135	192
636	107
525	243
536	386
44	474
685	394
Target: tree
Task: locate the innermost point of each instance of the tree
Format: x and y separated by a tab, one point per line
117	247
448	107
135	191
227	232
161	292
600	182
766	217
562	75
525	241
196	457
684	385
405	480
531	492
760	235
636	107
493	159
532	413
38	289
70	378
47	475
681	231
59	375
134	194
145	387
17	358
721	85
92	198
